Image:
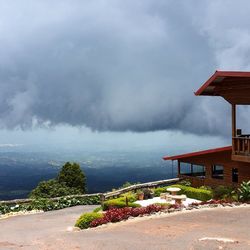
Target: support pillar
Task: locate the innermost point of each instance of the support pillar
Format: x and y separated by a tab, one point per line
179	168
233	120
233	127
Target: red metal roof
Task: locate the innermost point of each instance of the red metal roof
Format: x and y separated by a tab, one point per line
209	151
216	78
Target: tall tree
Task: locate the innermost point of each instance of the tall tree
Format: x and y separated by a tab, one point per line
72	176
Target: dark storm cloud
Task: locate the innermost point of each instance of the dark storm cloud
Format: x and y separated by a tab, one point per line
117	65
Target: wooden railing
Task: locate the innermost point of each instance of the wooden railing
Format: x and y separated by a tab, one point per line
140	186
241	145
103	196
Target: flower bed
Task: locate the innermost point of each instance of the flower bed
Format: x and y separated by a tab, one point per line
119	214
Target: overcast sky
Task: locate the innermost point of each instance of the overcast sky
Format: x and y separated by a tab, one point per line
120	71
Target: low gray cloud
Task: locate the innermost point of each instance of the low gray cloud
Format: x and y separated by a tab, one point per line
118	65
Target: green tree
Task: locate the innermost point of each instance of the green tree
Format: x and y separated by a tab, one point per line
52	188
72	176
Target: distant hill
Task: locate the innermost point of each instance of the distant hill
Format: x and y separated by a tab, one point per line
21	172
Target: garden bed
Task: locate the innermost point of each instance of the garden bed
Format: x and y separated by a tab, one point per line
123	214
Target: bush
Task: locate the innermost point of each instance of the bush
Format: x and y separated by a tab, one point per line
85	219
148	194
70	181
206	188
118	203
185	183
42	204
222	192
131	197
195	193
160	190
244	191
52	188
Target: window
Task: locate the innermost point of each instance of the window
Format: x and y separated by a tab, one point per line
192	169
199	170
185	168
217	171
234	174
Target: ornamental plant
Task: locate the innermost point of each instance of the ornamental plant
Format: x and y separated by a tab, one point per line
244	191
85	219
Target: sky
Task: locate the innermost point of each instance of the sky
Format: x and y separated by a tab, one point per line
118	74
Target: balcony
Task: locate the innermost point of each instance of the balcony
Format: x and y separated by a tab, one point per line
241	148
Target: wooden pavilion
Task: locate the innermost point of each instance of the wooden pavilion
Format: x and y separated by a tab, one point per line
228	165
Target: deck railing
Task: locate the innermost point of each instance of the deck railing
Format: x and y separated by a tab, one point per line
241	145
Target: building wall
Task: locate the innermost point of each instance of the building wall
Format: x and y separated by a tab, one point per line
221	158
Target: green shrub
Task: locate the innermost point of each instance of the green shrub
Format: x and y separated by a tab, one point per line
85	219
222	192
244	191
52	188
206	188
195	193
71	180
129	195
118	203
160	190
42	204
185	183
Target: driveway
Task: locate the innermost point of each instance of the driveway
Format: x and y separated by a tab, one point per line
217	228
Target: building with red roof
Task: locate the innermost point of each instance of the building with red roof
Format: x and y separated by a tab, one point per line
227	165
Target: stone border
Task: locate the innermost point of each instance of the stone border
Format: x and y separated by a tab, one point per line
19	213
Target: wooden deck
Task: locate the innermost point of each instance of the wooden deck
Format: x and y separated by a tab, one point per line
241	148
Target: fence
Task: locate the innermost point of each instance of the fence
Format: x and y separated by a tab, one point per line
103	196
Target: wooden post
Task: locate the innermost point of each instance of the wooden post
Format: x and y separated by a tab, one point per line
126	201
102	199
179	168
233	120
233	127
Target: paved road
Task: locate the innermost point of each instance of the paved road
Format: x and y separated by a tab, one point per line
179	231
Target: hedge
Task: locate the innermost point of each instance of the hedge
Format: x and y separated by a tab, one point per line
195	193
118	203
190	192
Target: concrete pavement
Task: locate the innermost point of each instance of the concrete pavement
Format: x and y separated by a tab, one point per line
215	228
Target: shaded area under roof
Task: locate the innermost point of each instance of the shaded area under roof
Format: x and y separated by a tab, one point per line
198	153
233	86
